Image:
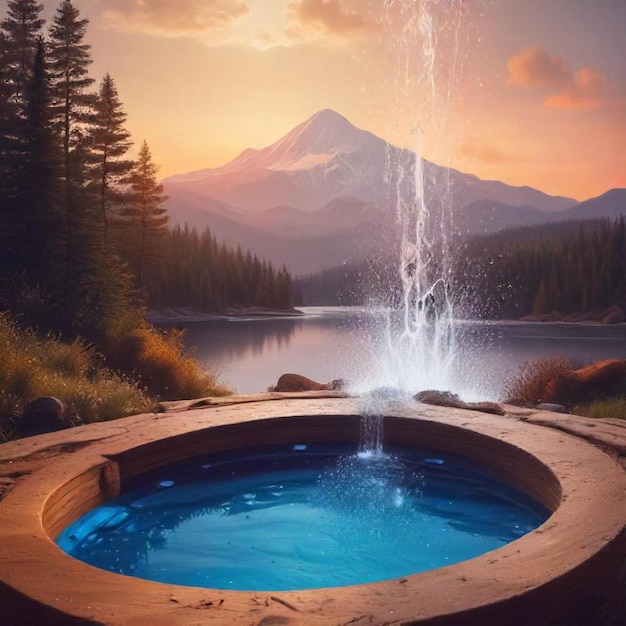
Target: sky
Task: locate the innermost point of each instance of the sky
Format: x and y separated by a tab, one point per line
529	92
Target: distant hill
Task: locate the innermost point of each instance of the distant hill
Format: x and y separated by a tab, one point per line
610	204
327	191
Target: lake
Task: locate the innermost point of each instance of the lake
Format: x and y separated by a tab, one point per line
328	343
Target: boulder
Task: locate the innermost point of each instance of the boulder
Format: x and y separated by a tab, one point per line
297	382
42	415
594	381
554	408
445	398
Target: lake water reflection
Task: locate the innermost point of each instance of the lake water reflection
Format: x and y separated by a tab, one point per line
333	342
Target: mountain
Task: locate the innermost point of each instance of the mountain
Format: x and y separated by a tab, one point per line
327	193
321	159
325	158
611	204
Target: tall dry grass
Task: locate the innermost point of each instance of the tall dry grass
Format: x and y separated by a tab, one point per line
161	364
32	366
527	387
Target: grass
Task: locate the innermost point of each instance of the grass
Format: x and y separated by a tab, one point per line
144	366
610	407
160	362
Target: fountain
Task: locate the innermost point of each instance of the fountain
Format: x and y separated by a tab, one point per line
569	568
415	344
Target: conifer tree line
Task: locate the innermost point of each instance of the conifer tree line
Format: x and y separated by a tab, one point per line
565	267
83	227
200	272
568	268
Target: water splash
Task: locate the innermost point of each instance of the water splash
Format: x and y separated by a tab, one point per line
415	344
374	404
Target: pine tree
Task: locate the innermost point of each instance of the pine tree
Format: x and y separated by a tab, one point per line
109	141
71	110
39	176
145	212
21	28
19	31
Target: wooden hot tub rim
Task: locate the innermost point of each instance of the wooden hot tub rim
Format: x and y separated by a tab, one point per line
511	449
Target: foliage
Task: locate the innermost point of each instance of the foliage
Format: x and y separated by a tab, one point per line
376	279
21	27
528	386
84	240
198	271
32	366
159	361
109	141
608	407
572	267
144	216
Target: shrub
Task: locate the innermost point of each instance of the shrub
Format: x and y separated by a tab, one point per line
159	361
528	386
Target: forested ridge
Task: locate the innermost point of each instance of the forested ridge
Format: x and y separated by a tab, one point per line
84	234
198	271
569	268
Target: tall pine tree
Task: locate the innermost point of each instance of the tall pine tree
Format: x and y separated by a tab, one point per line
39	177
109	142
145	213
71	111
19	32
21	28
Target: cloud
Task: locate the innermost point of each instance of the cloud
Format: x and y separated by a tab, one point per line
476	149
257	24
172	18
535	66
325	16
585	88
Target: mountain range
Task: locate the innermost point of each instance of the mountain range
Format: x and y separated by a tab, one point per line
326	194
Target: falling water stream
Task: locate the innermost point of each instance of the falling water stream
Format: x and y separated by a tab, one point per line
415	345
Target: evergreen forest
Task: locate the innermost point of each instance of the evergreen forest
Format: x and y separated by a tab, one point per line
565	268
84	234
86	248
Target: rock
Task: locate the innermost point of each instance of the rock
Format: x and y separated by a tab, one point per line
42	415
578	386
445	398
297	382
554	408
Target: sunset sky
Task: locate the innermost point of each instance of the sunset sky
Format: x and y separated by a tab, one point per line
529	92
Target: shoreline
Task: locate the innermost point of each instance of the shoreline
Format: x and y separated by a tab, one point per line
183	315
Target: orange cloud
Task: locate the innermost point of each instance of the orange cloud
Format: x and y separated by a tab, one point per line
535	66
180	17
587	90
476	149
328	16
582	89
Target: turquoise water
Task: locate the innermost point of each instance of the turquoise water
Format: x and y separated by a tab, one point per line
301	517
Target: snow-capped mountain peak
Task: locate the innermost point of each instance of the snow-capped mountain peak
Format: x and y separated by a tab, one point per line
327	157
